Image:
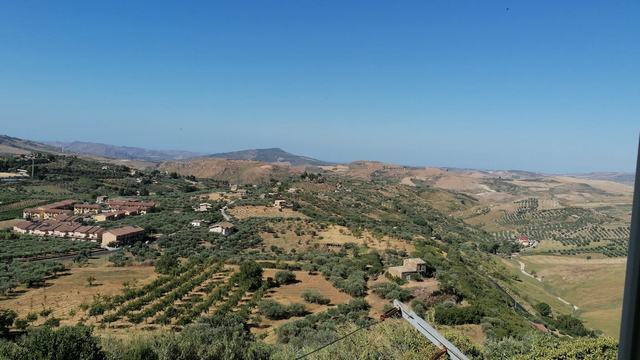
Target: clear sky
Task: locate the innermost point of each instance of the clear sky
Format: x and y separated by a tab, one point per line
537	85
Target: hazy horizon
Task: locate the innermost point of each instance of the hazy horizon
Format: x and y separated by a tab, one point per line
169	148
546	86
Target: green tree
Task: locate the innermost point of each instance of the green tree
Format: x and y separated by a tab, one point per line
7	317
543	309
168	263
250	275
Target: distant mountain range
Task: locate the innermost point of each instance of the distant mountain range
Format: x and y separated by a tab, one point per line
120	152
625	178
272	155
189	161
15	146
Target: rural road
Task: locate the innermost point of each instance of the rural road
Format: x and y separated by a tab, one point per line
522	270
223	211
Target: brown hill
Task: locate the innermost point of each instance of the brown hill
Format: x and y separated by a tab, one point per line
236	171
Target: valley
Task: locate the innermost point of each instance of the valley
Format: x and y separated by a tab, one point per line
298	254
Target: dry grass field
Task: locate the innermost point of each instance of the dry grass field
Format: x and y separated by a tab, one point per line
215	196
243	212
66	293
297	234
595	286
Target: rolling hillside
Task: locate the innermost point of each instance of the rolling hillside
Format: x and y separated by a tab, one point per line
121	152
273	155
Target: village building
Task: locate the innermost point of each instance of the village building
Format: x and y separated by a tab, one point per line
224	228
102	199
142	206
88	233
81	209
122	236
49	211
57	228
409	267
199	223
280	204
203	207
112	215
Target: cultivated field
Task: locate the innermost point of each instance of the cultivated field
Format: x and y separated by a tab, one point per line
243	212
65	294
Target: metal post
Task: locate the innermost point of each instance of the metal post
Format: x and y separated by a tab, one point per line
429	332
630	327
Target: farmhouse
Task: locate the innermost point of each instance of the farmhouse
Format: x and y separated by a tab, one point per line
280	204
102	199
526	241
413	266
225	228
199	223
122	236
202	207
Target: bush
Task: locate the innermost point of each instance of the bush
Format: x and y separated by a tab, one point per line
52	322
451	315
391	291
419	307
314	297
543	309
284	277
276	311
75	342
571	326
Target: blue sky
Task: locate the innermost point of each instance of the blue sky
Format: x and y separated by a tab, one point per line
537	85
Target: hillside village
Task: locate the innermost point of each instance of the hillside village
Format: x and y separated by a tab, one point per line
325	248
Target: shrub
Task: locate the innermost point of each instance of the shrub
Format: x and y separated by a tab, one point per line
74	342
543	309
391	291
313	296
284	277
276	311
451	315
52	322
